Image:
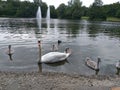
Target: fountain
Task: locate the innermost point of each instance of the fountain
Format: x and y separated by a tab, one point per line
48	17
48	13
39	17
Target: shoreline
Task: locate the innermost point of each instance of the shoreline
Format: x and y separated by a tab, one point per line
54	81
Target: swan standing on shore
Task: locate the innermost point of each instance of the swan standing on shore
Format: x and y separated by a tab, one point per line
92	64
118	67
53	57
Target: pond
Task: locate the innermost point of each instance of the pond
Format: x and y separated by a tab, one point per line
85	38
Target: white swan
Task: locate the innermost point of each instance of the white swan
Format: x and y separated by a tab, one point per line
118	67
92	64
53	57
10	52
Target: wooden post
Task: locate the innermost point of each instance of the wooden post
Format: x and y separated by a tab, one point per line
39	45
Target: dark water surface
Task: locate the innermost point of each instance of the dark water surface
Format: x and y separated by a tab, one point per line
85	38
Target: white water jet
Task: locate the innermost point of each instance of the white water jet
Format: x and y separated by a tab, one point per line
48	17
39	17
48	13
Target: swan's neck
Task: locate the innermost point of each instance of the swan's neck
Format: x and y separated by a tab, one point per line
9	49
68	51
119	63
54	48
39	45
39	54
98	64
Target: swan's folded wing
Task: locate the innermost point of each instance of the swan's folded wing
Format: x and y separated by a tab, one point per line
118	65
53	57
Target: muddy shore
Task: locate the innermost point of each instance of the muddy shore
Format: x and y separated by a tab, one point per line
55	81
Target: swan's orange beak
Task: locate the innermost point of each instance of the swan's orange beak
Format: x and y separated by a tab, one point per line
39	43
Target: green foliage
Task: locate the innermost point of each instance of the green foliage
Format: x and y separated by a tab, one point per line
97	3
96	11
118	14
53	12
61	11
84	11
15	8
43	9
74	9
113	19
27	11
112	10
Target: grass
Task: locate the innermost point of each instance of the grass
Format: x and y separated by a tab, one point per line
113	19
85	18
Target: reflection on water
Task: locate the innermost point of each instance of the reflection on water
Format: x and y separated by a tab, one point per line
58	63
40	67
10	57
85	38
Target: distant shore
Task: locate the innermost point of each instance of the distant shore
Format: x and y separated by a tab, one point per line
54	81
113	19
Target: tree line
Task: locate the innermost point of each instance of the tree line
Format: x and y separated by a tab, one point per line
74	9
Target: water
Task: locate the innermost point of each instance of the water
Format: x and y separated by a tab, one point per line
85	38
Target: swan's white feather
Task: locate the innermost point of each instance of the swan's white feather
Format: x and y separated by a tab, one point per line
118	65
52	57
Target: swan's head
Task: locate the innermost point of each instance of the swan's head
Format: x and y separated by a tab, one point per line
119	62
39	43
59	41
99	59
67	50
87	58
9	46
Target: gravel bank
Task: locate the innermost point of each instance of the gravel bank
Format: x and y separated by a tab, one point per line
55	81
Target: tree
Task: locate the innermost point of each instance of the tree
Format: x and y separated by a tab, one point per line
43	9
77	11
74	10
61	11
112	10
97	3
96	12
53	12
37	1
118	14
85	11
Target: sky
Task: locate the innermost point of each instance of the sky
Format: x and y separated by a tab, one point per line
87	3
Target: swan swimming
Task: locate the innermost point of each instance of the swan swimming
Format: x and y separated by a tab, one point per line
92	64
53	57
9	51
118	67
56	46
